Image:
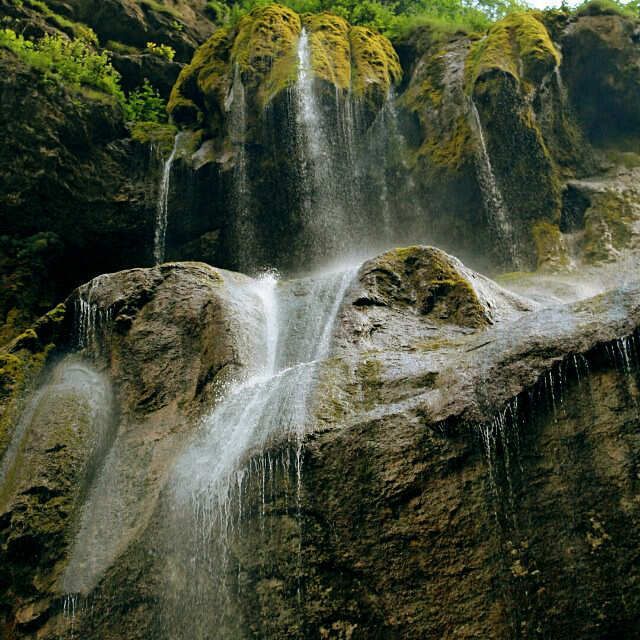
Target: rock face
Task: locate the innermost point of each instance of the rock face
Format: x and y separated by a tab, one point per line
77	197
468	468
82	441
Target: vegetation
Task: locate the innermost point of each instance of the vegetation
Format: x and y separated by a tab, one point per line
393	18
75	62
161	50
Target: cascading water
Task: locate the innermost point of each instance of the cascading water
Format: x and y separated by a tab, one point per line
320	184
162	209
294	323
493	200
244	233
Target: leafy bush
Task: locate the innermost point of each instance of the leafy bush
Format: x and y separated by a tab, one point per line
601	7
393	18
161	50
74	62
144	104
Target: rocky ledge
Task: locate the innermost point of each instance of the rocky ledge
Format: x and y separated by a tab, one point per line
469	468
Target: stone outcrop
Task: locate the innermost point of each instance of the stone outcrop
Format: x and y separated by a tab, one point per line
170	337
469	471
77	195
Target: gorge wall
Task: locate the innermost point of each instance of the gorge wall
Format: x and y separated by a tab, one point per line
249	414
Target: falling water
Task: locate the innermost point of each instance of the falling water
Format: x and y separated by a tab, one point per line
243	232
325	162
494	202
91	319
162	209
270	406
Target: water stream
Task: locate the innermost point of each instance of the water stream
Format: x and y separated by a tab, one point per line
270	406
162	208
493	200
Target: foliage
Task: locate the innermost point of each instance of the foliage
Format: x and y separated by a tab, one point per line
393	18
603	7
144	104
161	50
75	62
72	60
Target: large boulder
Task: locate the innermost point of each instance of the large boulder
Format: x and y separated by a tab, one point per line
467	451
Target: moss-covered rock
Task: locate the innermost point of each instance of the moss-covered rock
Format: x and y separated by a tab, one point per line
600	67
262	50
551	249
610	225
22	361
519	45
426	279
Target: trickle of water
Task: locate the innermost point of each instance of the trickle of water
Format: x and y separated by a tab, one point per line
493	200
244	233
162	208
91	319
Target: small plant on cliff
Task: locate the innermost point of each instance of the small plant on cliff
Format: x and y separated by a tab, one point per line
144	104
161	50
71	60
75	62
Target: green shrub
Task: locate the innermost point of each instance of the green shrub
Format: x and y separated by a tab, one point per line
144	104
71	60
74	62
161	50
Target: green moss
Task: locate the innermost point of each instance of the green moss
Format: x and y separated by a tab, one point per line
160	135
452	149
265	49
21	363
605	8
608	226
330	48
71	28
262	48
440	289
518	45
551	250
121	48
208	73
427	91
376	65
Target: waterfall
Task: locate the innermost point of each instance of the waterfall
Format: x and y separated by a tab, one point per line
259	413
244	233
493	200
162	208
326	171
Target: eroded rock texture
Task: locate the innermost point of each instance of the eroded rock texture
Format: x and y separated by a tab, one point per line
468	469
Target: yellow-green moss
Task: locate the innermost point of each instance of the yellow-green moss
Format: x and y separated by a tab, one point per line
440	286
427	92
551	250
207	73
160	135
452	149
374	60
330	48
608	225
265	49
519	45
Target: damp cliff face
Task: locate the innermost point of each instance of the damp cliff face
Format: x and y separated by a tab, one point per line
501	122
433	456
388	446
